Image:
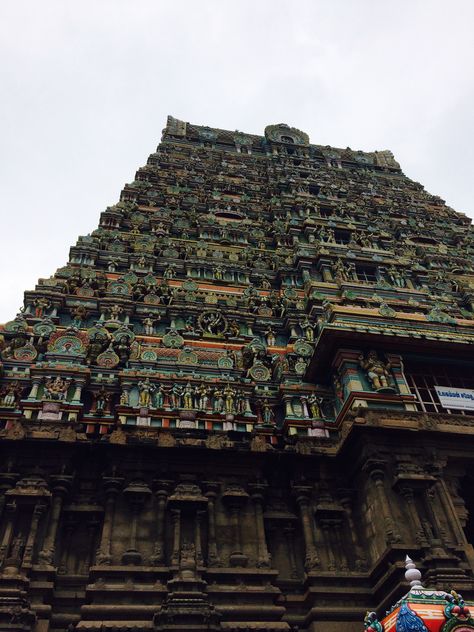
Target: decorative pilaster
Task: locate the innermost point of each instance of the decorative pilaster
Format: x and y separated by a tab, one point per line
67	530
197	538
213	558
61	486
161	495
346	502
136	493
176	519
235	498
263	556
111	489
327	526
377	476
7	480
38	511
9	520
409	496
303	493
289	532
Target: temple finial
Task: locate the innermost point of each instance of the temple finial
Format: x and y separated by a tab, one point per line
412	574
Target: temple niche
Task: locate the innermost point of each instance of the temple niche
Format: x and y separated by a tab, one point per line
244	398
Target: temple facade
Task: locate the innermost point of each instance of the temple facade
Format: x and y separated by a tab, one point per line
244	399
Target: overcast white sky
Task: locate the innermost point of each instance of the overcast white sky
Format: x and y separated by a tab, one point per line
86	87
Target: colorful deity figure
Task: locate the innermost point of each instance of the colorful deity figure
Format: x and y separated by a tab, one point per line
270	337
307	329
377	371
41	305
10	394
176	396
217	401
145	392
149	325
229	399
188	397
268	416
122	348
159	396
56	388
314	406
115	312
101	401
78	315
204	392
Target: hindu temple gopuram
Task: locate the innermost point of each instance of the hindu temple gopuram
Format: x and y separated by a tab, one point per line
244	399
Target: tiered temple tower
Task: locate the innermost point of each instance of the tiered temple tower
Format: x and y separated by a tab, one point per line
246	396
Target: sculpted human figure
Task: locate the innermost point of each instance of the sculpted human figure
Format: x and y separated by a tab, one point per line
115	312
122	349
101	400
78	315
204	392
159	396
314	405
97	344
377	372
396	277
11	393
56	388
307	328
41	305
145	390
176	394
270	337
229	399
148	325
268	415
218	401
188	396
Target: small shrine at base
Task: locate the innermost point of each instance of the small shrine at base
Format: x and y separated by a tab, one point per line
424	610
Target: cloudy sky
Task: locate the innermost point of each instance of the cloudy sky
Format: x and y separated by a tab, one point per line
86	87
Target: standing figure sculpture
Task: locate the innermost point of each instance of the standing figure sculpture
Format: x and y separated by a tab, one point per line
145	391
377	371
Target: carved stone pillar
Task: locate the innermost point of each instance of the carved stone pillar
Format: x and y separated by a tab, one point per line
263	556
327	526
9	520
158	556
38	511
289	532
7	480
197	538
449	510
409	496
60	489
176	518
235	498
340	546
111	489
439	532
346	502
212	553
136	493
377	476
302	500
67	530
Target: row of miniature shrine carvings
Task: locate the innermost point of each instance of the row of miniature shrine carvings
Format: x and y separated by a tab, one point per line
145	394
